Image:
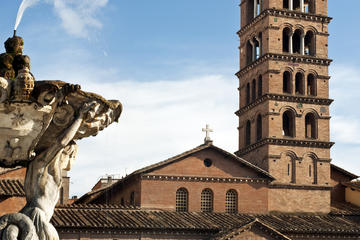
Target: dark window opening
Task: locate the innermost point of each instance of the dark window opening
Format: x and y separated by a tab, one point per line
253	92
309	170
247	133
257	50
122	202
296	5
287	82
260	86
288	124
310	126
247	95
249	53
207	162
286	4
250	10
297	41
286	40
288	169
259	128
310	43
299	84
311	85
309	6
132	198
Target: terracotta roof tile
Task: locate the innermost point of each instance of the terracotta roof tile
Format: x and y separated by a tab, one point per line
351	175
12	187
122	218
342	208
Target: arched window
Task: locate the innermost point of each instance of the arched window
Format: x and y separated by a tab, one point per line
287	86
122	202
311	85
286	40
250	10
310	126
286	4
132	198
253	92
310	43
260	86
298	42
249	52
247	133
231	201
296	5
288	124
207	200
259	127
182	197
299	83
247	95
309	6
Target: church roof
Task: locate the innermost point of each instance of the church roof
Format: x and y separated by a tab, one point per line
197	149
343	171
119	218
353	184
12	187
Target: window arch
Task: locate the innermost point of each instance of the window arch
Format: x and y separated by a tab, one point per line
132	198
310	43
247	133
309	6
231	201
207	200
247	94
311	85
310	126
297	42
288	123
182	198
260	83
299	83
253	90
287	86
259	127
287	37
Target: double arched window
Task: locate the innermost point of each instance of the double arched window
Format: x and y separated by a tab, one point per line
182	199
207	200
311	89
253	49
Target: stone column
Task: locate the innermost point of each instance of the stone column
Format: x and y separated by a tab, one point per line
291	5
302	6
302	44
255	8
291	51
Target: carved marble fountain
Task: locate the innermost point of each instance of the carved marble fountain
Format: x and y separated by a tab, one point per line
39	124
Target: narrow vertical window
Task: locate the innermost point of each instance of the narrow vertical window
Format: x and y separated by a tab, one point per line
259	127
207	200
309	170
247	94
132	198
286	40
182	200
297	41
287	86
288	124
122	202
249	52
310	126
286	4
231	201
247	133
311	85
260	83
310	43
253	92
299	83
296	5
288	169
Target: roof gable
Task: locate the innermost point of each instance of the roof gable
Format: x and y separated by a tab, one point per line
198	155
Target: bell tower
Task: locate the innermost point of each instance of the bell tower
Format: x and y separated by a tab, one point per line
284	99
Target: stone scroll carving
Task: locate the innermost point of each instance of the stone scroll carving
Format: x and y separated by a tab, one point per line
40	122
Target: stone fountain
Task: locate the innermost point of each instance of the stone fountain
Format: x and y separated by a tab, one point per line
39	124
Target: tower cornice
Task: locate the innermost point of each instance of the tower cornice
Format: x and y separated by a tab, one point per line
284	142
295	58
285	98
286	14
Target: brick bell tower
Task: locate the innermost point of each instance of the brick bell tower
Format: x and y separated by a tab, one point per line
284	99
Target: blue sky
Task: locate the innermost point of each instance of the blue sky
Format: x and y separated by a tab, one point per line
172	65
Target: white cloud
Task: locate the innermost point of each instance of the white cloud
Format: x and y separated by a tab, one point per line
78	16
160	119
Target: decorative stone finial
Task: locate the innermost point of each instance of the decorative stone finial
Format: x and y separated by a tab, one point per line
207	138
24	85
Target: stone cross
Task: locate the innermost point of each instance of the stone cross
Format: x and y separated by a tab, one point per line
208	130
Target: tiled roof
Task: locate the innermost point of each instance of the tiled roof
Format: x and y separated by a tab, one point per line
342	208
351	175
353	184
12	187
95	217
